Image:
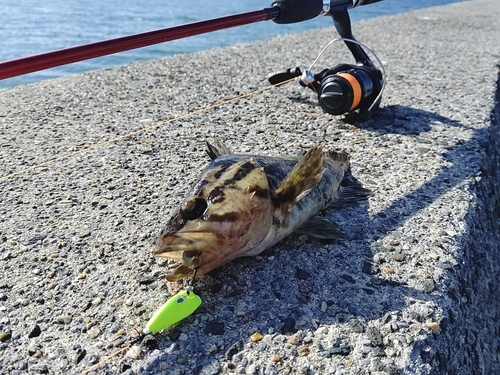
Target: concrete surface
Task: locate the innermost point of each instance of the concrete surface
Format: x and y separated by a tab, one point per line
93	165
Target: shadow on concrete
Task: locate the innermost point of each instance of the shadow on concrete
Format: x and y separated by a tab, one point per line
472	302
403	120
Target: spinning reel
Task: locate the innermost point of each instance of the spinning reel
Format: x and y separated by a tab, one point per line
352	89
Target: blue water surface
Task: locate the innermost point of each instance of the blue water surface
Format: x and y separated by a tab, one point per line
32	26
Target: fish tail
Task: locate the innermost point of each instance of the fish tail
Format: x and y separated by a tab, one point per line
351	193
341	157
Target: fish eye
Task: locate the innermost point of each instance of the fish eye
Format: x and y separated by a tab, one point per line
194	208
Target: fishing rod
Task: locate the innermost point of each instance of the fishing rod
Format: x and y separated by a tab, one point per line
281	11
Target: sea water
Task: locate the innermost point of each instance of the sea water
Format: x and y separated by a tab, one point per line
31	27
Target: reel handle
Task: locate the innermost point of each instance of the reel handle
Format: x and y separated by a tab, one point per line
284	75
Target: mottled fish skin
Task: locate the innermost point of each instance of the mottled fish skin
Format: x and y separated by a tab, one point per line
243	204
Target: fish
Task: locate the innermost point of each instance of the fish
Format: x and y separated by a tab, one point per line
241	205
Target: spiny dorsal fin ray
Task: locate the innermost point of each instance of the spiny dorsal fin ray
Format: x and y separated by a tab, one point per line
319	227
301	179
217	149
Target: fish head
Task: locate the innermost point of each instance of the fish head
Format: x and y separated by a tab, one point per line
228	212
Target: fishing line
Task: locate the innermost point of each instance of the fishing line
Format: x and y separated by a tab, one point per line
204	109
106	359
128	135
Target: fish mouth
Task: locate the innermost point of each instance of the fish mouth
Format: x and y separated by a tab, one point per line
179	271
173	246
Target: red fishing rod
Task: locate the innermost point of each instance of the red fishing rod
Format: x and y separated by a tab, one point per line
52	59
281	11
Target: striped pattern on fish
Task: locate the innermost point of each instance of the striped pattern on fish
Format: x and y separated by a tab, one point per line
243	204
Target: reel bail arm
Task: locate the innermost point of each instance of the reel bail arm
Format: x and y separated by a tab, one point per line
342	23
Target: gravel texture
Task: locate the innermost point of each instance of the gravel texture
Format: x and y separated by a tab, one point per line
412	290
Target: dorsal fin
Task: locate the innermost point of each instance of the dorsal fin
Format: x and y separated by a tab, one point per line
217	149
304	176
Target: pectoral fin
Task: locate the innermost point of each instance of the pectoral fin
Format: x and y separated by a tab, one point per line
301	180
319	227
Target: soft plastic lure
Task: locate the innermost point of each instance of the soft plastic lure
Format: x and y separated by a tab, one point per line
178	307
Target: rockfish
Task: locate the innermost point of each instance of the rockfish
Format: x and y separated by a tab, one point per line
243	204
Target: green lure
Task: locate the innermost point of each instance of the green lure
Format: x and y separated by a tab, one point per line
174	310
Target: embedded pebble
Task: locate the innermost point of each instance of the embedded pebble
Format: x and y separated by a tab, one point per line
63	363
305	287
93	332
120	332
134	352
294	340
117	302
47	294
428	285
257	336
324	306
64	319
307	339
303	351
322	330
51	274
134	333
35	331
398	256
434	326
267	339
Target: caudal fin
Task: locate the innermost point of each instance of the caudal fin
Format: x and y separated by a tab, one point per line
351	193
